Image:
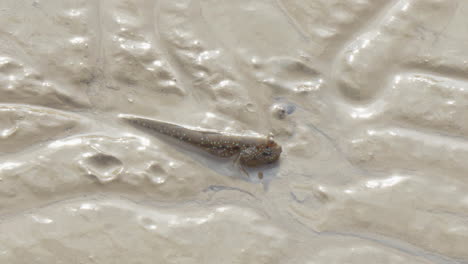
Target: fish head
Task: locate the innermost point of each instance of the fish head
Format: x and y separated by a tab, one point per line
262	154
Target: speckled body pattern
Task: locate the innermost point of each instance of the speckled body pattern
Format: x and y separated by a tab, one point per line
251	151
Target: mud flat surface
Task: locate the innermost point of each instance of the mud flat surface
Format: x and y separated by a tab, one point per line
369	100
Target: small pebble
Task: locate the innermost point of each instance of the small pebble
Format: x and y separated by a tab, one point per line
281	110
260	175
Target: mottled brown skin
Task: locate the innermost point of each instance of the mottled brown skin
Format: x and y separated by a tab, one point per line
264	153
251	151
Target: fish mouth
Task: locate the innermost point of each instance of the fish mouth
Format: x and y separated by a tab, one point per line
279	149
